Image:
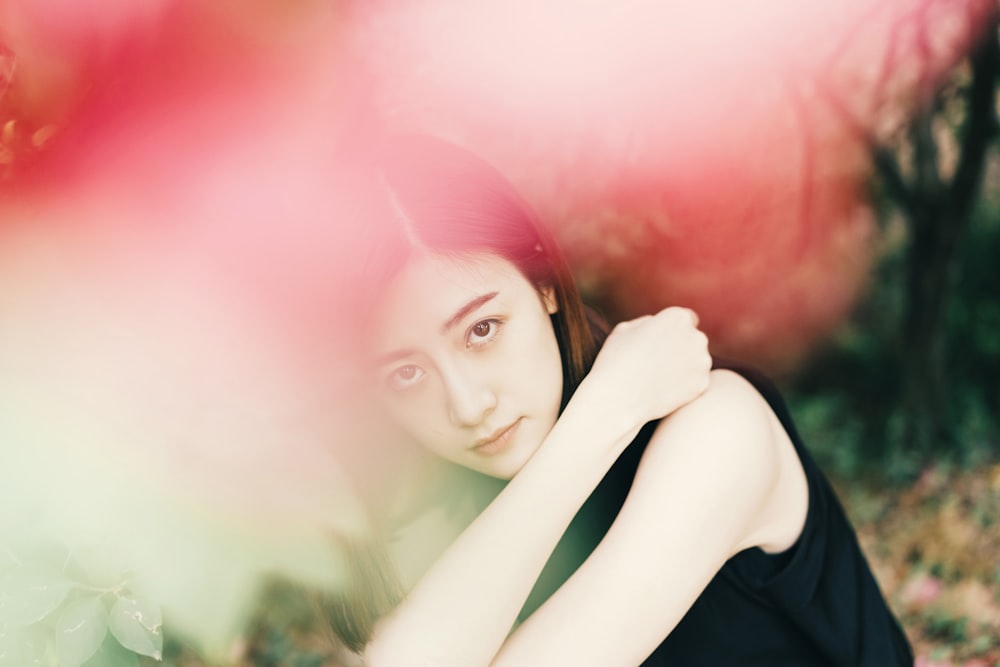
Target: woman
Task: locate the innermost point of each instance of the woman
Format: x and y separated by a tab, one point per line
657	511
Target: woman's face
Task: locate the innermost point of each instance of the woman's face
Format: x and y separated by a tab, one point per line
468	362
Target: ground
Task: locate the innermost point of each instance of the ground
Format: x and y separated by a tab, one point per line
935	549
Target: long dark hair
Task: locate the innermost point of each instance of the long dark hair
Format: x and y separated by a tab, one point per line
424	195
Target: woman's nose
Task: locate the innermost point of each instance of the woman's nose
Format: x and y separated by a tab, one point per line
470	400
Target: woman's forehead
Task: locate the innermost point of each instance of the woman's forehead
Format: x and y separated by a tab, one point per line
431	289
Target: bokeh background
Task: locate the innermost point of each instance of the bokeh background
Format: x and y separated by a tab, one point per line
179	441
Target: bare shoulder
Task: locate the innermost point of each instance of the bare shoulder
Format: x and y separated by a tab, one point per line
731	411
727	449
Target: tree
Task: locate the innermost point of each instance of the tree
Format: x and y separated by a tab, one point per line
912	375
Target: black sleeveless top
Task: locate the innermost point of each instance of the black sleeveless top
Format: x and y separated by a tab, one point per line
815	604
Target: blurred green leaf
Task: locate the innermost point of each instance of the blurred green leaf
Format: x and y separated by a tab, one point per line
25	647
80	630
136	623
98	565
28	597
112	654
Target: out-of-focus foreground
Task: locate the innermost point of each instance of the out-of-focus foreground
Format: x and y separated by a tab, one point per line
178	433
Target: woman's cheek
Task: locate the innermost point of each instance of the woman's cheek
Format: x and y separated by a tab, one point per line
421	415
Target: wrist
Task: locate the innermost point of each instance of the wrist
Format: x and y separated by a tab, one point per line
600	405
589	435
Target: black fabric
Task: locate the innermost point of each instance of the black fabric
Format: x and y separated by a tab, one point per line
816	604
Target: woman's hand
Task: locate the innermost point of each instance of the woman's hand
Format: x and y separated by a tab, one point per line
649	367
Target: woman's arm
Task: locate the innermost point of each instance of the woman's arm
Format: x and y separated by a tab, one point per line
462	610
718	476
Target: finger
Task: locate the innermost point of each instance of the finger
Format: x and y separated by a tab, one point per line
628	324
680	311
702	339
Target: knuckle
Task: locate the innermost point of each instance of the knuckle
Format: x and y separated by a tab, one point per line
669	313
620	328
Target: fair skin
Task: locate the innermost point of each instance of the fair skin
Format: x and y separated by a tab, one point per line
446	362
456	383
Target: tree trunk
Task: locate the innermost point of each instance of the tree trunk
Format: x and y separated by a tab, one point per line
939	219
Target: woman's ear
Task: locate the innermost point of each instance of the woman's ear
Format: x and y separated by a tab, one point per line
548	294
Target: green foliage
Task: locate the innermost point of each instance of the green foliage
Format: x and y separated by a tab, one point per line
112	654
24	647
80	629
60	617
288	631
851	399
918	370
27	597
848	402
136	623
950	629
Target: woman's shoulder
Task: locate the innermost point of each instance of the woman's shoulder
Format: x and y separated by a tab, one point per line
731	405
723	435
728	448
741	413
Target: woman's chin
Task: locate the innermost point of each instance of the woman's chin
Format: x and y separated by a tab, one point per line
503	464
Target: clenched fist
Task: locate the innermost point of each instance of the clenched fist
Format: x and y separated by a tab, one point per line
652	365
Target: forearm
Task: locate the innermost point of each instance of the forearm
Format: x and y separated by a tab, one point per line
462	610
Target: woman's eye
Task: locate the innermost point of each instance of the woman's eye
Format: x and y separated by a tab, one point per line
404	377
483	332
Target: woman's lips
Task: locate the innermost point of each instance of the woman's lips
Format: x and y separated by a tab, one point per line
498	442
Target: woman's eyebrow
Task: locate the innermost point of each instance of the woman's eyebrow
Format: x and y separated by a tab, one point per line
395	355
466	309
